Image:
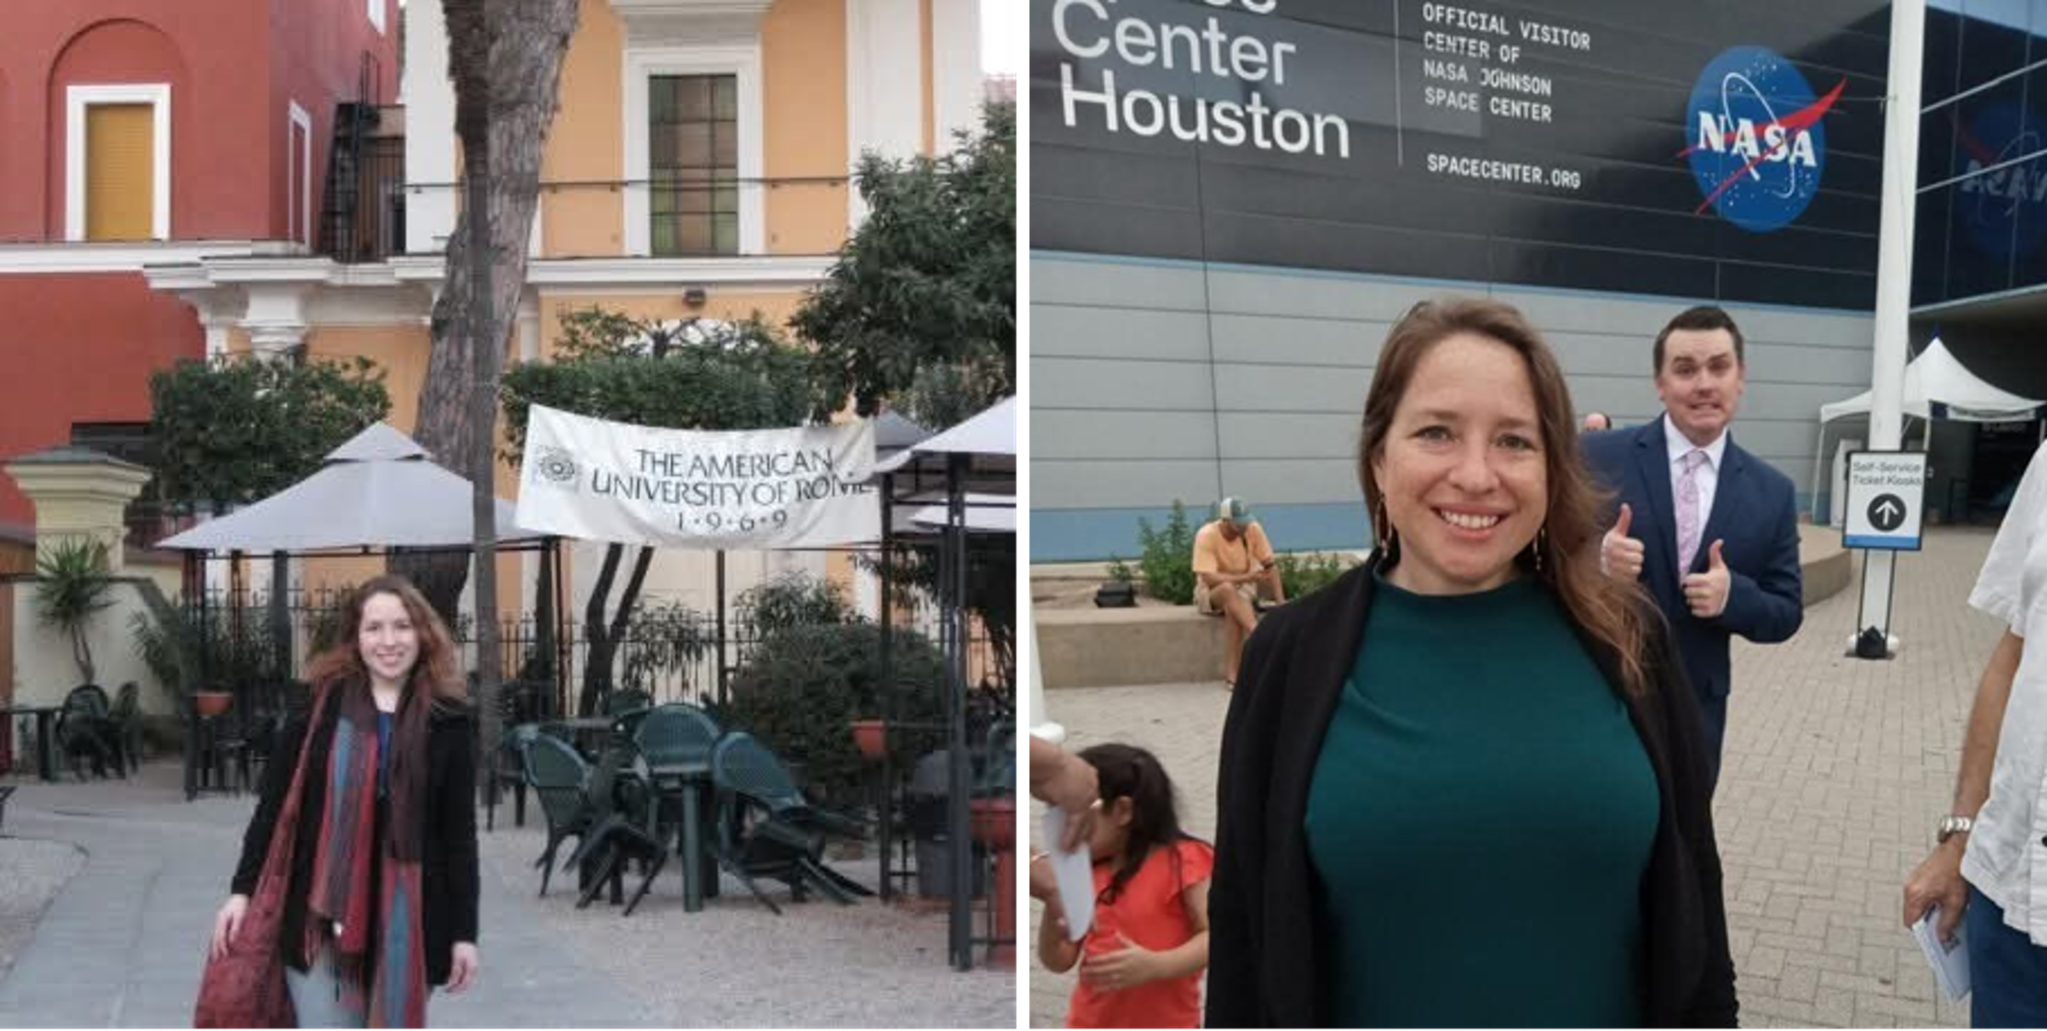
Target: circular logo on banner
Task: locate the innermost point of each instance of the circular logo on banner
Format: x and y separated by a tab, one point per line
1756	144
557	465
2005	210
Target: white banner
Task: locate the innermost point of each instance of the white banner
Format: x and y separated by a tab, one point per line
596	480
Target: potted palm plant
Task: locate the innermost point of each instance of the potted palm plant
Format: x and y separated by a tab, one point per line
72	590
182	648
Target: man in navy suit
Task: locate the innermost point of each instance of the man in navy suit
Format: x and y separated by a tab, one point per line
1710	529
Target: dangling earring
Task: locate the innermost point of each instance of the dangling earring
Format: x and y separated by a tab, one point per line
1541	541
1389	541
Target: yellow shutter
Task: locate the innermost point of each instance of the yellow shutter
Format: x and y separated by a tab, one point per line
120	172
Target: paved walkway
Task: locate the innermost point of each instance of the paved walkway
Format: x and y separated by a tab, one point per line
123	943
1836	770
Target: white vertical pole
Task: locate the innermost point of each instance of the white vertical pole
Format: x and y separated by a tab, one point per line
1040	714
1894	273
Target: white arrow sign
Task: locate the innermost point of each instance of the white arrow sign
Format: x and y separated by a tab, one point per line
1886	500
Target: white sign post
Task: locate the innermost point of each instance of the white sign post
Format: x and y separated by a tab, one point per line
1886	500
1886	509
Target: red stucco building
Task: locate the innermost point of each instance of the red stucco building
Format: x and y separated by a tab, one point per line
140	132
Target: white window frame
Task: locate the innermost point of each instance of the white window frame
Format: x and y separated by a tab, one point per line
740	61
377	15
297	118
77	99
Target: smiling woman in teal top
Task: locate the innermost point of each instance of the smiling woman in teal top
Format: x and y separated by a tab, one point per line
1461	786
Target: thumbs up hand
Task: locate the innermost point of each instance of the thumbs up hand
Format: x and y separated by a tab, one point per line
1619	554
1706	593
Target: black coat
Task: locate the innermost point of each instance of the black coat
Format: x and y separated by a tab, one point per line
448	871
1264	967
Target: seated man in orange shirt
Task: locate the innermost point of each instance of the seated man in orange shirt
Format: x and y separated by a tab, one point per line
1233	565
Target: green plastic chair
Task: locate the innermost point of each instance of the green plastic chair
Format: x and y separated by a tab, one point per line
508	766
561	780
677	733
998	767
86	730
622	802
127	719
766	829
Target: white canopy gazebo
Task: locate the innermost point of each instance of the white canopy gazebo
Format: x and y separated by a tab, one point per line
957	484
1936	387
378	490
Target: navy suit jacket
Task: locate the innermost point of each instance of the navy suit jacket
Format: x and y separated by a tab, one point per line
1755	517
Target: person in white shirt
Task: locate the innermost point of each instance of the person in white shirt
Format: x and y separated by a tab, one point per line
1989	865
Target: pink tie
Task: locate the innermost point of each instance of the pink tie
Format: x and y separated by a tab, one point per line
1688	517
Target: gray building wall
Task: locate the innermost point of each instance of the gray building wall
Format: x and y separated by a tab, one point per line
1155	381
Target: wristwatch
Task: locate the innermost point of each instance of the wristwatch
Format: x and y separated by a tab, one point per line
1952	825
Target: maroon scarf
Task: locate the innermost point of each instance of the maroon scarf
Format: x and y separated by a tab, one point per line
365	903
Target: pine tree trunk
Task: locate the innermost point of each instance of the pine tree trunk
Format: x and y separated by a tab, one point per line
505	58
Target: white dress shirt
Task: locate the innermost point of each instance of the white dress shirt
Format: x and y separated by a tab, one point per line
1708	476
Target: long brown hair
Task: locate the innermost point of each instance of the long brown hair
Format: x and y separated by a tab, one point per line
1566	557
435	683
435	676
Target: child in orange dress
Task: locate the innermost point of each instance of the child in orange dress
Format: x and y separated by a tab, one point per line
1142	958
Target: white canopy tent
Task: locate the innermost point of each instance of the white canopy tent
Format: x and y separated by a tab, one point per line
993	432
976	463
1939	387
378	490
1936	387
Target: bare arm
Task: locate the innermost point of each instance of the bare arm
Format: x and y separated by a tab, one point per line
1212	581
1938	881
1054	950
1190	957
1986	720
1133	964
1065	780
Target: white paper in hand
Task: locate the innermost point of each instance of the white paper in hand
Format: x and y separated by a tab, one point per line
1075	874
1950	960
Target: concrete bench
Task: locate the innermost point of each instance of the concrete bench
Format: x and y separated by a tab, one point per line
1165	644
1173	644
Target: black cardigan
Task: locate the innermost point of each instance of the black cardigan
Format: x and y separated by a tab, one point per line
1263	903
448	862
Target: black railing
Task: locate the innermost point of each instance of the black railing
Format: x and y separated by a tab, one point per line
670	652
680	219
363	219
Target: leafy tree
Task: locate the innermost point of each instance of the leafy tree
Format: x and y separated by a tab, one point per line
236	429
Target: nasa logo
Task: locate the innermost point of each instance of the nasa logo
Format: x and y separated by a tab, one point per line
2004	209
1757	146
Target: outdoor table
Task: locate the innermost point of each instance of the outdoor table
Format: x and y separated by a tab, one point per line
46	715
587	727
689	779
210	758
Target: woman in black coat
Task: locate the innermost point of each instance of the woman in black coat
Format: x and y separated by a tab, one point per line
382	898
1463	785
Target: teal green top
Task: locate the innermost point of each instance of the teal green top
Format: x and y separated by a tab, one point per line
1480	822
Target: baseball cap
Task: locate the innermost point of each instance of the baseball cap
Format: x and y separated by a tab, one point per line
1236	510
